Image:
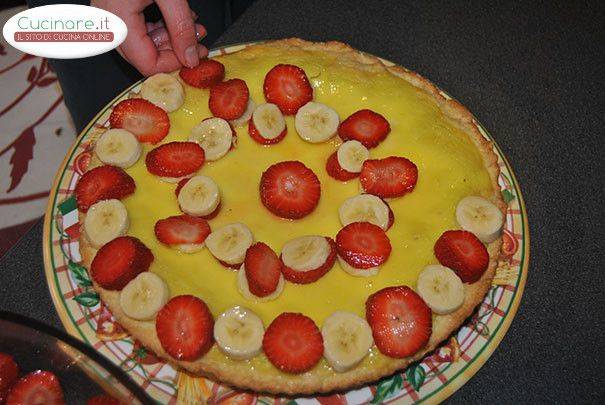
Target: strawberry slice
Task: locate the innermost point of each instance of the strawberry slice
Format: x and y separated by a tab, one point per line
229	99
119	261
363	245
102	400
175	159
144	119
390	177
290	189
365	126
336	171
293	343
185	327
205	75
182	229
38	387
464	253
400	320
254	134
9	372
103	183
306	277
391	217
263	269
288	87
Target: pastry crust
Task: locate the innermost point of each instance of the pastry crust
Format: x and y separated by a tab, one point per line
317	380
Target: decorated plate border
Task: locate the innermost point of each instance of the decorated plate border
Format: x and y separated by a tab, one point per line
431	380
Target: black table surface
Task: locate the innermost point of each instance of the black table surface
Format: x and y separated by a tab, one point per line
533	75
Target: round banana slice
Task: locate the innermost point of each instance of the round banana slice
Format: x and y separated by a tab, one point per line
364	208
243	120
316	122
230	242
199	196
372	271
351	155
105	221
269	120
481	217
239	333
305	253
244	289
215	136
441	288
118	147
144	296
163	90
347	340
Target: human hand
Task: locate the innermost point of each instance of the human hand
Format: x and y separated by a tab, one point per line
151	47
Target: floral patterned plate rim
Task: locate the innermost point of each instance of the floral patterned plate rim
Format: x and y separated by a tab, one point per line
431	380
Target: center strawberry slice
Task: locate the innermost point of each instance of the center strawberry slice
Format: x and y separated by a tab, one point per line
390	177
293	343
464	253
119	261
290	189
9	372
229	99
205	75
182	229
185	327
103	183
38	387
400	320
365	126
288	87
263	269
144	119
175	159
363	245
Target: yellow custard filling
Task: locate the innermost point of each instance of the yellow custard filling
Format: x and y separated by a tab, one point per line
449	164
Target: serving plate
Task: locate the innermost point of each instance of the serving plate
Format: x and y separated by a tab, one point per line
431	380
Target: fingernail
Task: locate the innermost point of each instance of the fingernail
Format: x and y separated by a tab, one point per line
191	57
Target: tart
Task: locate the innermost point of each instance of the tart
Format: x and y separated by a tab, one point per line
340	212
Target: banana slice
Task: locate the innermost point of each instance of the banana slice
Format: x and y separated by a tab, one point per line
269	120
351	155
243	120
105	221
200	196
364	208
441	288
144	296
214	135
316	122
163	90
305	253
239	333
372	271
347	340
230	242
118	147
242	286
481	217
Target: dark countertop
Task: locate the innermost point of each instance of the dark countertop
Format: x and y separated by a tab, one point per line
533	75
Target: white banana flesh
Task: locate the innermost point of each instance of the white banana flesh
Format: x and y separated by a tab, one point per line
347	340
364	208
244	289
200	196
239	333
144	296
441	289
163	90
351	155
230	242
118	147
215	136
268	120
316	122
245	117
481	217
347	268
305	253
105	221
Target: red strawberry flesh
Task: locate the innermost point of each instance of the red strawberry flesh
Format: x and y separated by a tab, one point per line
9	372
288	87
336	171
263	269
36	388
363	245
365	126
103	183
182	229
390	177
464	253
119	261
148	122
175	159
208	73
229	99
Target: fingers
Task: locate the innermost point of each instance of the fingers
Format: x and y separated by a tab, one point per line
181	29
161	39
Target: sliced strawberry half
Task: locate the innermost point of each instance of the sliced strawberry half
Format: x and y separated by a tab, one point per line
390	177
103	183
288	87
391	217
102	400
9	372
365	126
175	159
363	245
182	229
119	261
293	343
306	277
263	269
255	134
464	253
290	189
38	387
144	119
205	75
400	320
336	171
185	327
229	99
